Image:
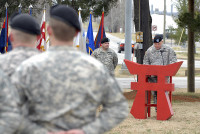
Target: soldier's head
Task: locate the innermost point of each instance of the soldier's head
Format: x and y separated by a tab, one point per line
158	41
64	24
24	30
105	43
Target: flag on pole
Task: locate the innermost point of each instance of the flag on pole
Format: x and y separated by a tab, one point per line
2	38
5	44
101	33
79	41
20	8
90	38
41	45
47	41
30	10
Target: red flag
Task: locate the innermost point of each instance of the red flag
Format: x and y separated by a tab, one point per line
5	44
101	33
42	38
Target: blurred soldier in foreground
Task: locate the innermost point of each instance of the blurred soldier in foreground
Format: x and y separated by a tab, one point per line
158	54
11	119
63	87
23	36
106	55
9	112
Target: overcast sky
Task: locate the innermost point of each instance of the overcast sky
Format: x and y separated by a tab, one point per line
160	4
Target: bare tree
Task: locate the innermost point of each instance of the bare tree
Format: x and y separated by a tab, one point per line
116	17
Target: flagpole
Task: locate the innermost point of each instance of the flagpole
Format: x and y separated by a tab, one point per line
20	8
6	25
102	21
30	10
79	10
41	45
101	32
44	47
91	22
77	39
90	39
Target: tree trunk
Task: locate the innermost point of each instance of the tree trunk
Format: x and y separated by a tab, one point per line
143	23
191	82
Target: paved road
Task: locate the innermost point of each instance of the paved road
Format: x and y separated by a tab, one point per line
180	82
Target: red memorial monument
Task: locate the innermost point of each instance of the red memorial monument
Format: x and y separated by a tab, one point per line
141	106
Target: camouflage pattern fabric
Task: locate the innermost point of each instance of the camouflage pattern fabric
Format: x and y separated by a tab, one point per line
9	112
164	56
62	88
10	60
108	58
8	63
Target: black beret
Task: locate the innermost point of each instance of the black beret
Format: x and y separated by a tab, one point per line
25	23
105	40
158	38
65	14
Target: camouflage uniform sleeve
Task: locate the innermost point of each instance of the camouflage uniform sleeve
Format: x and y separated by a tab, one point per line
146	60
9	111
172	56
115	108
115	60
26	126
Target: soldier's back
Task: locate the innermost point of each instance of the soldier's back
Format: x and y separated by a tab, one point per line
12	59
65	87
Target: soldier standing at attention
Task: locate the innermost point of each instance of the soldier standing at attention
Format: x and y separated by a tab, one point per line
23	36
62	87
106	55
158	54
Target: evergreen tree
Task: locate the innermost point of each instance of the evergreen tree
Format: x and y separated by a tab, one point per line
13	6
86	5
183	20
38	5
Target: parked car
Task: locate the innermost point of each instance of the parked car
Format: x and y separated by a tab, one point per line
122	44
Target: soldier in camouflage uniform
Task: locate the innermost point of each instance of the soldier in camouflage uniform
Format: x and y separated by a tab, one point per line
63	87
159	54
23	36
106	55
9	112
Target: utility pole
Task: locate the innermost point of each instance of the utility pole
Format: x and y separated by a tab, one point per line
128	28
191	80
164	34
